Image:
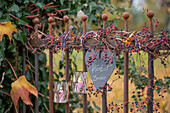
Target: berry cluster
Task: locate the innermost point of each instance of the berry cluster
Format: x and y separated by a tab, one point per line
107	56
141	105
93	91
114	107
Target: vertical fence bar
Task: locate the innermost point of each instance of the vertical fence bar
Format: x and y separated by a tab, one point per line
36	21
84	18
36	82
50	20
126	58
23	73
66	19
150	14
104	95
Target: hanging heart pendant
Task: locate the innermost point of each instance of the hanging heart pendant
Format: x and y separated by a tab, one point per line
100	66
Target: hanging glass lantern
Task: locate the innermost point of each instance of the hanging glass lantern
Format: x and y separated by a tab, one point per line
61	92
79	82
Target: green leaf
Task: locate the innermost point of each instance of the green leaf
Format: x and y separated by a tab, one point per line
87	1
139	96
23	21
81	105
94	104
110	11
62	2
11	48
88	103
79	7
60	65
8	72
133	96
42	58
98	108
2	3
40	4
75	105
26	1
13	7
23	37
92	17
108	1
92	5
89	27
138	92
20	1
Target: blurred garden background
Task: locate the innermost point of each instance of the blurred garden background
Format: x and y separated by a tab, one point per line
93	9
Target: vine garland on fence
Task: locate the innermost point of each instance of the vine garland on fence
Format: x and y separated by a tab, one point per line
112	40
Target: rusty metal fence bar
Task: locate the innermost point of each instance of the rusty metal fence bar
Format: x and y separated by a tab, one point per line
150	14
23	72
36	21
66	19
126	60
50	20
104	94
84	18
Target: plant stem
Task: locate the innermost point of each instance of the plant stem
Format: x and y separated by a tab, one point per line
5	93
12	68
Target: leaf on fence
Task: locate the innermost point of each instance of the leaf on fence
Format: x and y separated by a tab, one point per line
22	88
7	28
98	108
130	38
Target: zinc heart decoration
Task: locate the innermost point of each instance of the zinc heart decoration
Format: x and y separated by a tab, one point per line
101	68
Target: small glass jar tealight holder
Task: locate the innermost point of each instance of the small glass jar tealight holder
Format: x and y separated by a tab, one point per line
61	92
79	82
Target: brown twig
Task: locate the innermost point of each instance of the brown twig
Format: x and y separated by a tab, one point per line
114	81
30	64
11	68
31	109
44	105
41	94
9	108
5	93
2	79
16	109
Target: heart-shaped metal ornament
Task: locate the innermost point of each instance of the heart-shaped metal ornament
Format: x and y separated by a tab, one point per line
101	68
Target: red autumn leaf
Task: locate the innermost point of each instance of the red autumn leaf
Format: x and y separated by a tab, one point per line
7	28
21	88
